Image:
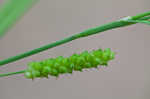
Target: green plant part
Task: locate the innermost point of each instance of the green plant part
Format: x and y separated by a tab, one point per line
126	21
62	65
11	11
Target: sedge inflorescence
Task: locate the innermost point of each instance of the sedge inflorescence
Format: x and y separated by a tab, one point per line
76	62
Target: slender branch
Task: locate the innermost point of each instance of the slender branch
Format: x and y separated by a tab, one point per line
92	31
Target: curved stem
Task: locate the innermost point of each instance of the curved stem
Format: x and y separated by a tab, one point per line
12	73
85	33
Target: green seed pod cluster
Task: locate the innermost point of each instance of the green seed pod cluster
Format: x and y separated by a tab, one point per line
76	62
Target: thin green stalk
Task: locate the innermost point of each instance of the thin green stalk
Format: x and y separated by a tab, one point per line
85	33
145	18
12	73
68	39
141	15
140	21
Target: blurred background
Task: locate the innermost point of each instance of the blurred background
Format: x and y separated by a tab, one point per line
126	77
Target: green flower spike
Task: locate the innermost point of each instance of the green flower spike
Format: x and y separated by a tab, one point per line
76	62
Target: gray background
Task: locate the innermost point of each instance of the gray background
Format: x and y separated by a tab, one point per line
127	77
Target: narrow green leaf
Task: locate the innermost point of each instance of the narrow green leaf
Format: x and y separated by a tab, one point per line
11	11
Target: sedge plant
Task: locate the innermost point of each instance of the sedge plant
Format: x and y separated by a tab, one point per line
11	11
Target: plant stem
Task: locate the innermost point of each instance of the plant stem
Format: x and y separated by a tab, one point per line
76	36
141	15
140	21
12	73
85	33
